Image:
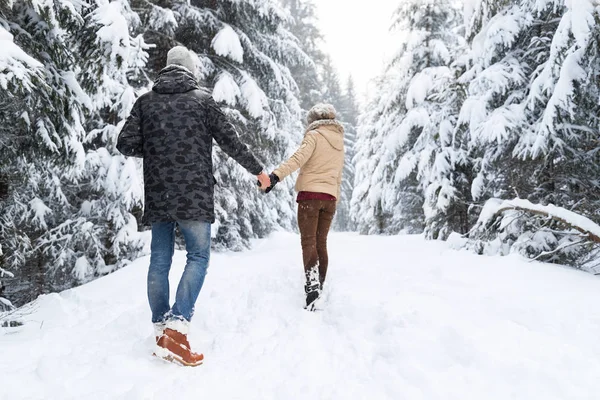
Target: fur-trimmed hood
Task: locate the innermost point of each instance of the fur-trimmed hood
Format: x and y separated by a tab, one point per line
330	129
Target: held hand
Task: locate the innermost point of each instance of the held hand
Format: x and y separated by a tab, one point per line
264	181
274	180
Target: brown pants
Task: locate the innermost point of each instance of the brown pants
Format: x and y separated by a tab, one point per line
314	221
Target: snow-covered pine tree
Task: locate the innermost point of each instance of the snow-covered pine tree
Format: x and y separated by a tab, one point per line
406	152
111	68
434	97
561	128
54	235
303	25
491	116
331	91
531	118
379	204
496	86
21	74
43	161
348	113
477	13
245	53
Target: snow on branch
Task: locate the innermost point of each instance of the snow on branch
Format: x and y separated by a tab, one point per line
5	304
227	44
494	207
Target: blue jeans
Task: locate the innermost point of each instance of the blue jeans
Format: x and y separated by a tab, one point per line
197	243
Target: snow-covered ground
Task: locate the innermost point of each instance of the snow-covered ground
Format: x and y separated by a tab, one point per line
404	319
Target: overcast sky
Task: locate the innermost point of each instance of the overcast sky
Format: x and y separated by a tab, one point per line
357	36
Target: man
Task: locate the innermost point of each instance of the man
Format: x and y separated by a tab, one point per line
172	128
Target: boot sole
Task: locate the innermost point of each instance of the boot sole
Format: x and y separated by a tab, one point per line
312	306
172	358
316	305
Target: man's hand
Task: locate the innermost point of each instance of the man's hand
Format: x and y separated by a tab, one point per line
264	180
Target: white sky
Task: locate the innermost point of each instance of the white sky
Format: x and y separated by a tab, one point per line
357	37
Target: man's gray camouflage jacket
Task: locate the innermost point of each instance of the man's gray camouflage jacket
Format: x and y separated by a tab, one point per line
172	127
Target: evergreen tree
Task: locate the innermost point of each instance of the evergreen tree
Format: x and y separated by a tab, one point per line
331	89
348	114
529	115
112	63
380	204
408	132
496	85
59	227
303	25
477	13
21	75
561	114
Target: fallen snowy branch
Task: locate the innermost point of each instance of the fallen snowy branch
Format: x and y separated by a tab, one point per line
495	207
14	317
559	249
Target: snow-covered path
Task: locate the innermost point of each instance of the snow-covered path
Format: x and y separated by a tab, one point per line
404	319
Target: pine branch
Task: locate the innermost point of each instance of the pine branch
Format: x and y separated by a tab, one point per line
559	248
592	230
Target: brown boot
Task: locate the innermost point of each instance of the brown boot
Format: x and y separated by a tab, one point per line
178	337
174	346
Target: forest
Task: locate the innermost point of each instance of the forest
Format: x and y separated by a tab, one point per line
483	129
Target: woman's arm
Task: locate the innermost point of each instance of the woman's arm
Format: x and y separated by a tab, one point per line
300	157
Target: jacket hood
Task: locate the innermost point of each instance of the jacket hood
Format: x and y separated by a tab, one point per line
175	79
330	129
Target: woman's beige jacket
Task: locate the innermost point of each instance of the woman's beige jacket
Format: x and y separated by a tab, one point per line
320	159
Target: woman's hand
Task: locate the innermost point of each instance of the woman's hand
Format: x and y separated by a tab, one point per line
274	181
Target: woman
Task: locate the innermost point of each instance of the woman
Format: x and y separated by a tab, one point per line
320	159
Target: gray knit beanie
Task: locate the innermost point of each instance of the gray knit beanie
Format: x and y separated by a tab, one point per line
319	112
181	56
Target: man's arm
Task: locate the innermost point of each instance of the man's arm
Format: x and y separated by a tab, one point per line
131	139
226	136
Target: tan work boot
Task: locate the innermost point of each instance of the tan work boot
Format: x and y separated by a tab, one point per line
174	346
